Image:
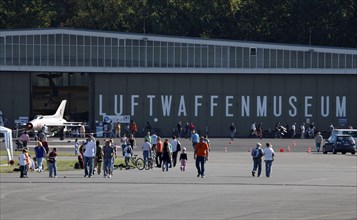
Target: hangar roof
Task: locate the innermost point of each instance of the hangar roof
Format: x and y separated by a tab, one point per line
77	50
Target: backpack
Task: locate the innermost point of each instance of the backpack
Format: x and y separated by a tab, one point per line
256	153
166	148
178	146
128	150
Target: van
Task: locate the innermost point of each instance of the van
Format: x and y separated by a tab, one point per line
352	132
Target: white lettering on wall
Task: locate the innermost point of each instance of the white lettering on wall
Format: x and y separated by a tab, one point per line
133	103
116	105
261	106
166	105
293	111
341	106
182	107
150	97
213	104
303	105
245	106
101	106
228	104
197	104
323	113
307	106
278	114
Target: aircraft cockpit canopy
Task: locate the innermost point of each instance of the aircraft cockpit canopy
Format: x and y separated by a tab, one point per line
38	116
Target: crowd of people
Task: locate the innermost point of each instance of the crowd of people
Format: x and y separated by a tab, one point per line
308	131
27	163
166	153
91	155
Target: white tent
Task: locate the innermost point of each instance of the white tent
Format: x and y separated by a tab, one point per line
8	142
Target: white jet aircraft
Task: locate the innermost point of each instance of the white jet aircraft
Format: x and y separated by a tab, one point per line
52	122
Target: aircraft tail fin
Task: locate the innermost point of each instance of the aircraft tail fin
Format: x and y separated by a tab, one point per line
61	108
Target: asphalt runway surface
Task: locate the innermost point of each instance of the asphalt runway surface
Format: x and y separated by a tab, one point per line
303	186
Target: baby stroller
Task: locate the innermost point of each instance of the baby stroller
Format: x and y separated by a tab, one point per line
19	145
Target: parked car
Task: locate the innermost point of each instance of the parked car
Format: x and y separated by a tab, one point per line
339	143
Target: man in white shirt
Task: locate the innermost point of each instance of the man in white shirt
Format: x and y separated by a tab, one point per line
253	129
153	141
302	128
174	142
268	158
89	154
146	150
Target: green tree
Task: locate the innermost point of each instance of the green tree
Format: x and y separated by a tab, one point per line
112	15
26	14
319	22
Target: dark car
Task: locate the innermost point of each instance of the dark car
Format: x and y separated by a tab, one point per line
339	143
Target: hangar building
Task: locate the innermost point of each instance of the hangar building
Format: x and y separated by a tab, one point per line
166	79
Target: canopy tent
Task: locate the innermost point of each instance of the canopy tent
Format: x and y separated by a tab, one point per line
8	142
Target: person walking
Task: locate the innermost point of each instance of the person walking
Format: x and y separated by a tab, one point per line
147	137
179	129
293	130
268	158
98	158
260	130
166	155
114	146
206	140
117	129
318	141
76	146
133	128
24	163
257	154
125	141
146	150
176	147
40	153
24	138
82	131
132	141
201	152
108	155
128	151
153	141
302	130
195	139
233	130
159	149
183	159
52	163
89	154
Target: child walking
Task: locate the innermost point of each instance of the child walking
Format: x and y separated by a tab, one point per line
52	166
24	163
183	159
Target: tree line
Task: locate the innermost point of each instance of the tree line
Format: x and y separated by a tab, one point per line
315	22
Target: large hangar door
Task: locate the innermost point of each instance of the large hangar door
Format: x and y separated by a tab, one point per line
49	89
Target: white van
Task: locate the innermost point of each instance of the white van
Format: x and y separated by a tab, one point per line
352	132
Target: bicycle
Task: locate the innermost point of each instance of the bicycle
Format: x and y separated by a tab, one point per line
134	162
150	163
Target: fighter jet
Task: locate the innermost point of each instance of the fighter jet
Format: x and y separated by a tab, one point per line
52	122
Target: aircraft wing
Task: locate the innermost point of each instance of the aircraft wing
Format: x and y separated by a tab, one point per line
72	124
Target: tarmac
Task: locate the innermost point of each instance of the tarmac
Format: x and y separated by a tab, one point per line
302	186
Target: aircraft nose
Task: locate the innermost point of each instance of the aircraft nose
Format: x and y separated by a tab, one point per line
29	126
